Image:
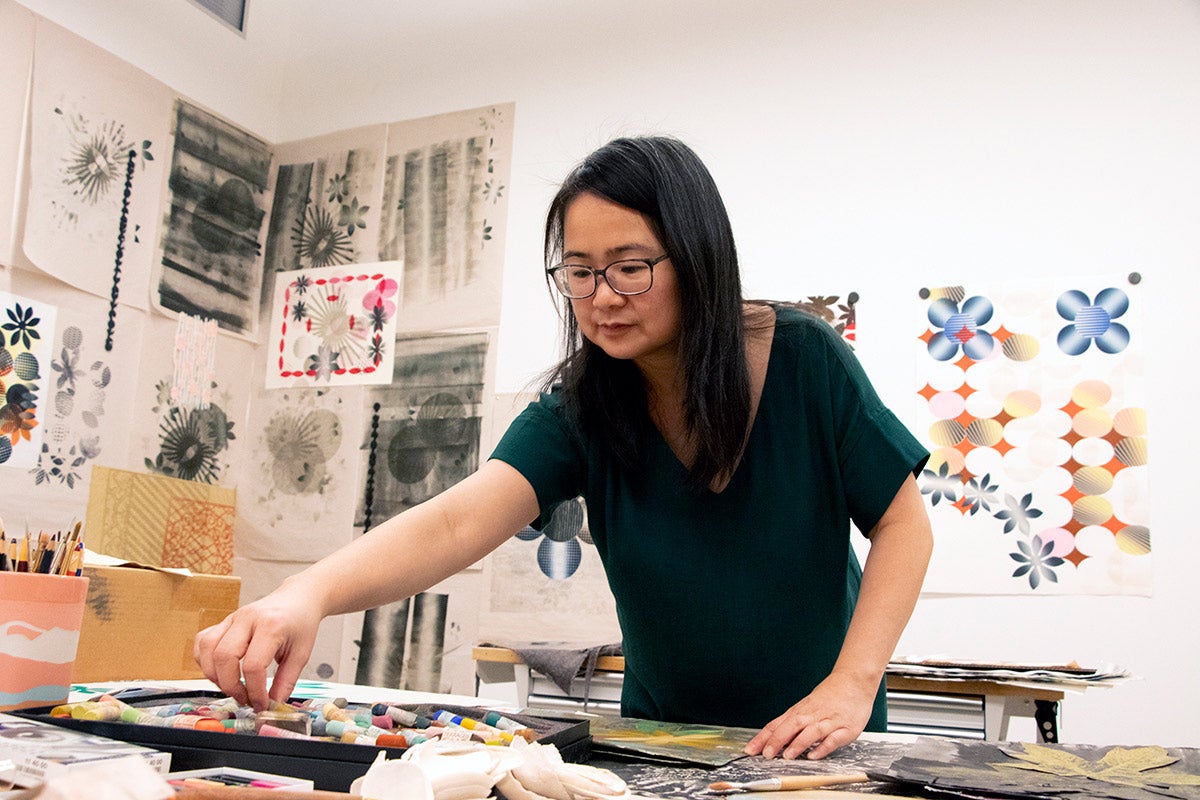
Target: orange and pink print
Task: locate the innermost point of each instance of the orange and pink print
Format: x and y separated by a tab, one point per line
1031	403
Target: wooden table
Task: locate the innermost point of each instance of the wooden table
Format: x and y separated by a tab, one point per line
1001	701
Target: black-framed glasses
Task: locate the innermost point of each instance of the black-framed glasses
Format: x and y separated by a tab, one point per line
629	276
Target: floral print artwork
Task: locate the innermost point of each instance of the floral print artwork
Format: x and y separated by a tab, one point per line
73	428
334	326
1036	482
26	341
192	441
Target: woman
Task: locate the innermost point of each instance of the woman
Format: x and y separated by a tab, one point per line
722	447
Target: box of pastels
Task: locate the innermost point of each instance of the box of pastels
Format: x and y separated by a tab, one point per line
328	742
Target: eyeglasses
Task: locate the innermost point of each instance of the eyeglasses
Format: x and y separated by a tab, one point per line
627	277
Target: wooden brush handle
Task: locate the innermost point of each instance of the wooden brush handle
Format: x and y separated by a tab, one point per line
817	781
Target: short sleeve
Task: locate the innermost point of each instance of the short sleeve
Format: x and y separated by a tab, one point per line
542	446
876	452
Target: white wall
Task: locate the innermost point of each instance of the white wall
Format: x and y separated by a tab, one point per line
875	145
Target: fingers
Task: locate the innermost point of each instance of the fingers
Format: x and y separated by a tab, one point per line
801	733
289	669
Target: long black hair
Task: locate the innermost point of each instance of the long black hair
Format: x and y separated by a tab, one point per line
663	179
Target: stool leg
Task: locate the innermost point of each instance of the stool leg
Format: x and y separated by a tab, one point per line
1046	716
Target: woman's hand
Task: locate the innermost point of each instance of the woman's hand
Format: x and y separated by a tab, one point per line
280	627
833	715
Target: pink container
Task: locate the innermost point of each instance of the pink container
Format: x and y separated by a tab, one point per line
40	616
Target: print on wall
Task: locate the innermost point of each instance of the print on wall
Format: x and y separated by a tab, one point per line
422	438
192	441
444	207
94	157
27	331
211	262
300	474
327	196
1032	406
333	326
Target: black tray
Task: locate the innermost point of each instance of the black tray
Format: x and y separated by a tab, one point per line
331	766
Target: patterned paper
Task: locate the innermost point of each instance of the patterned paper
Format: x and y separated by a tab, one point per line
1032	406
27	328
160	521
334	326
99	129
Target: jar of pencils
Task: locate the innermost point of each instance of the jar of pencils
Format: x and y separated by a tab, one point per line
40	617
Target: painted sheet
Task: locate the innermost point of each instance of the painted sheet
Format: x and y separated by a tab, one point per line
211	254
27	328
1032	402
88	403
333	326
422	436
188	441
99	132
326	207
299	475
444	210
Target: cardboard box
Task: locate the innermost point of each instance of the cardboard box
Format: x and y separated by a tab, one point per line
140	623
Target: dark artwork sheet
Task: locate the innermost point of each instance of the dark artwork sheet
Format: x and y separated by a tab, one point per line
1027	770
681	781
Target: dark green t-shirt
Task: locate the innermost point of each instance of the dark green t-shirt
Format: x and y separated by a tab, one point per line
734	605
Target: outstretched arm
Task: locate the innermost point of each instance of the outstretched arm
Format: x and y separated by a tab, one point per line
399	558
837	710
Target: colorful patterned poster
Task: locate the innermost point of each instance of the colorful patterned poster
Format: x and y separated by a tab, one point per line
334	326
1032	404
27	328
87	404
96	167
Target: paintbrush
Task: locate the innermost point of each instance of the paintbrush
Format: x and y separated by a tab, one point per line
786	782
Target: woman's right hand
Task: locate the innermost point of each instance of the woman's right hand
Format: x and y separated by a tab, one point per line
236	653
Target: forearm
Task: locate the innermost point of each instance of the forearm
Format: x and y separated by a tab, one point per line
892	576
421	546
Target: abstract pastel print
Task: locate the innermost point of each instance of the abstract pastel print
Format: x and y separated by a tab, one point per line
1032	408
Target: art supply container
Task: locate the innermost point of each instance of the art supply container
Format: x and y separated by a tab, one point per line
40	617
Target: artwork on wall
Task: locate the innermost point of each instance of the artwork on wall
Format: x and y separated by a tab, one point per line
16	61
27	328
194	360
1032	403
86	418
192	442
838	311
96	167
160	521
333	326
326	208
299	476
422	431
443	213
422	436
211	254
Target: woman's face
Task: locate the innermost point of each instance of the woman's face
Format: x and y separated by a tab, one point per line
643	327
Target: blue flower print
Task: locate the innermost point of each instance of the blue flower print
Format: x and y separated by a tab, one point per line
961	328
940	484
1036	561
1093	321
